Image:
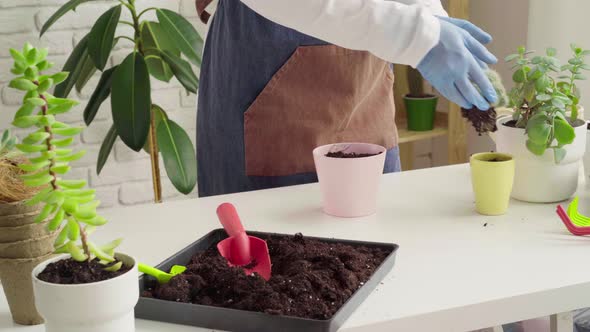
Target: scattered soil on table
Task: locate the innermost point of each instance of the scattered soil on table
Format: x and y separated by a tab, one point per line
344	155
310	279
588	126
482	121
71	272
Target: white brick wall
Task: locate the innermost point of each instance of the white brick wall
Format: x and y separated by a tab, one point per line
126	178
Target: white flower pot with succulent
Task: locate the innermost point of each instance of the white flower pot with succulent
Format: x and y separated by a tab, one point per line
545	135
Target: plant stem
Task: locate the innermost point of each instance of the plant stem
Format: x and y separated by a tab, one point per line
54	186
145	11
127	23
156	180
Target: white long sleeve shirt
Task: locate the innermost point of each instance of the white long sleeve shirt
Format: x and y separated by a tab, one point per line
400	31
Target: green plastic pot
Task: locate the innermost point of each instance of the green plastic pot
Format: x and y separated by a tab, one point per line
421	112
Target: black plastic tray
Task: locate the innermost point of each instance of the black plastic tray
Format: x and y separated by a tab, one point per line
247	321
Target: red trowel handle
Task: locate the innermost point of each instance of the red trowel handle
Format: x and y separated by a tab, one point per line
230	220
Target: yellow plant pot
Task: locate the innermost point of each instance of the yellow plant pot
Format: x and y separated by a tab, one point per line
492	176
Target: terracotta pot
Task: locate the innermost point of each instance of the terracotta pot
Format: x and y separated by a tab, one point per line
16	220
30	248
9	209
24	232
18	288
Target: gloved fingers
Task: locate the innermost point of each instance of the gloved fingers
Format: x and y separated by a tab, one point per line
479	51
454	95
482	64
483	83
471	94
476	32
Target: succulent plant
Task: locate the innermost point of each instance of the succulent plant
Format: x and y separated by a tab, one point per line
67	205
544	91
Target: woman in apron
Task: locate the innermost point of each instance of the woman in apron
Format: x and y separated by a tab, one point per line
281	77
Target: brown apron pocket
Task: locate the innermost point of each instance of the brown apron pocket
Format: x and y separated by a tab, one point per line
323	94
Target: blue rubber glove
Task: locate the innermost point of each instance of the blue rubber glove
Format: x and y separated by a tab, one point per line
453	65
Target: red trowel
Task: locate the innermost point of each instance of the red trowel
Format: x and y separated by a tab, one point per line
249	252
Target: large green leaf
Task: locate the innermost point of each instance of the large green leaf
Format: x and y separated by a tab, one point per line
106	148
564	132
131	101
182	70
179	156
102	92
157	115
102	36
70	5
183	34
538	129
86	71
74	66
155	40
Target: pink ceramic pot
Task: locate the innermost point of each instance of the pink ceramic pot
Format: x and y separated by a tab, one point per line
350	185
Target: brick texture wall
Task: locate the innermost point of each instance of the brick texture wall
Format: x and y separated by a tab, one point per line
126	178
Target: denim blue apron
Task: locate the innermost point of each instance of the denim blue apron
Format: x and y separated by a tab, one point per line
268	95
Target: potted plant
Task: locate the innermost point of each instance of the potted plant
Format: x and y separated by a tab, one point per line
485	121
23	243
492	177
137	120
349	175
70	209
420	106
544	135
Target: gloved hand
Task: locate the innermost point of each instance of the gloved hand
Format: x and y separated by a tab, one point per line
453	65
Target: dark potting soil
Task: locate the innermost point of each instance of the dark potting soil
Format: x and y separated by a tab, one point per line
344	155
482	121
425	96
71	272
310	279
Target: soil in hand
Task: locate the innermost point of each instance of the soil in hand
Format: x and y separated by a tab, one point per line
482	121
71	272
310	279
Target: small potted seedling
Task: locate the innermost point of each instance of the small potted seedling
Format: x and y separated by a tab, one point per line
492	177
420	106
349	176
89	288
23	243
485	121
545	135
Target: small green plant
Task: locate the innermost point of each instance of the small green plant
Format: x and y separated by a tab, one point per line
67	205
544	92
498	85
415	83
158	50
8	145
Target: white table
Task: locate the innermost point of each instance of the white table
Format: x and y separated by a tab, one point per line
452	273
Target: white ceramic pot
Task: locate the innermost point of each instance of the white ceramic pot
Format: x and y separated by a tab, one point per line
587	158
538	179
350	186
97	307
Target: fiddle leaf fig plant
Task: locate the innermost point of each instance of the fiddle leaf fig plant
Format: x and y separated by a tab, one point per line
67	205
159	51
543	94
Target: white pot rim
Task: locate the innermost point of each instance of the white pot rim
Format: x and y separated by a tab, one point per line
39	268
501	121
